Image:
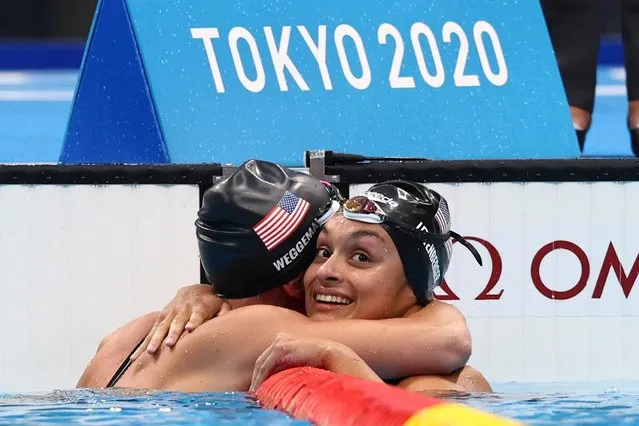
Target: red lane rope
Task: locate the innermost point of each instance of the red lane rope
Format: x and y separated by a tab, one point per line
327	398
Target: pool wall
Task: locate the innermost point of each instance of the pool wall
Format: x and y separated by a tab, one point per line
85	249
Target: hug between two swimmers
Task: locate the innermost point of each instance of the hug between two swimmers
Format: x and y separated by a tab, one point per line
303	277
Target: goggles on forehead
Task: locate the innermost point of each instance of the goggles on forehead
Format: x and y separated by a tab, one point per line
363	209
333	205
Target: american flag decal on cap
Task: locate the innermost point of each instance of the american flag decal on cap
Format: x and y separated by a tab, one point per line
280	222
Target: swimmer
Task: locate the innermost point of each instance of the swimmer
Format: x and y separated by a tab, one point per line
252	267
366	254
380	257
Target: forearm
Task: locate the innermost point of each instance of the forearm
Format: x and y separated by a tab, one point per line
350	365
400	347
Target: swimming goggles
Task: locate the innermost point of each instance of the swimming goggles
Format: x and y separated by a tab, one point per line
333	205
363	209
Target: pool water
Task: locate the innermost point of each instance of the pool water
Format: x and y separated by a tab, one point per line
607	407
551	404
114	407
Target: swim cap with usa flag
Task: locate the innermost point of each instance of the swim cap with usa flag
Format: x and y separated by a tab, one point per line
257	229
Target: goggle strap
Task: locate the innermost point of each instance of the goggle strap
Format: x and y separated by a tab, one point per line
335	206
426	237
333	191
468	245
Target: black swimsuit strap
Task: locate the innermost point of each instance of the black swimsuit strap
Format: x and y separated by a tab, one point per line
123	367
393	382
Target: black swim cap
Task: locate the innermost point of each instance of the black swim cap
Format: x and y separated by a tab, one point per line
257	229
412	209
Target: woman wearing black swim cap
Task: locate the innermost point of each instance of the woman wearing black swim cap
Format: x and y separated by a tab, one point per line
382	255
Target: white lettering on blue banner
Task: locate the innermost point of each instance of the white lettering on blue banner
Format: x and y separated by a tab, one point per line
356	67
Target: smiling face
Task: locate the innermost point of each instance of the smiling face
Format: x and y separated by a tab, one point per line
357	273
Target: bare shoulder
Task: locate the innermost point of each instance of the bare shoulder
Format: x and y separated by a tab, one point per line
113	349
248	320
438	312
218	356
128	332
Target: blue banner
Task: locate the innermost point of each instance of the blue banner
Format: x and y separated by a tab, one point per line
471	79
